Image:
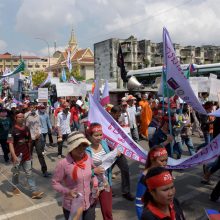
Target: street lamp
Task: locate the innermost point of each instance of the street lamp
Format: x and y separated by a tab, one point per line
45	41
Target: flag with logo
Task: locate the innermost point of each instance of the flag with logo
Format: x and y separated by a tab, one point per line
121	64
175	77
63	75
105	95
68	61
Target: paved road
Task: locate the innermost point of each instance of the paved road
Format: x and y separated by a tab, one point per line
192	194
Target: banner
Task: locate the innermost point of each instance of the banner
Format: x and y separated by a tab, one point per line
70	89
115	136
203	83
215	113
214	89
175	76
204	155
42	94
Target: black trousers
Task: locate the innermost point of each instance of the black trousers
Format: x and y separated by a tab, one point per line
88	214
60	144
122	164
216	192
39	147
5	149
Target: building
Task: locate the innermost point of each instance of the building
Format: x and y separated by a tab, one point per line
145	53
83	59
33	63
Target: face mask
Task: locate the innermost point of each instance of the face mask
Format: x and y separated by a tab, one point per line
33	112
42	110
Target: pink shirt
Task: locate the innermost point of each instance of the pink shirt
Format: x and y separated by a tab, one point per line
63	182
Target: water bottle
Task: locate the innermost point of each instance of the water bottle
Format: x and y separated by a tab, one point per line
105	183
19	159
76	207
94	192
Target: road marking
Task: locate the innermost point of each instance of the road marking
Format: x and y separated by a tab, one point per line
29	209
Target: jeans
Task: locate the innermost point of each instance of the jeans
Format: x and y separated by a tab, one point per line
122	164
134	134
75	126
5	149
60	144
189	144
177	148
88	214
38	144
26	165
213	166
49	136
208	138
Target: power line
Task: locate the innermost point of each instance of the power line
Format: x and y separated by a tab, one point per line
142	20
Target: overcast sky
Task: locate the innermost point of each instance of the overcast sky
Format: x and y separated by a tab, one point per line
189	22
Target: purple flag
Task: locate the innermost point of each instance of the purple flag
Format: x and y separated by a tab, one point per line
175	76
105	95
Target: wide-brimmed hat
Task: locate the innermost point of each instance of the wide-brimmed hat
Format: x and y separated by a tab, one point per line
75	139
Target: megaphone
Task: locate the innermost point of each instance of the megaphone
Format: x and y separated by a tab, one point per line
133	83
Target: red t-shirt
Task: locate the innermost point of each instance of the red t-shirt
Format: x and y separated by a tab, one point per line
20	138
74	114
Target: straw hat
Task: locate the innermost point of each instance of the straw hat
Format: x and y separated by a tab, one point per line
75	139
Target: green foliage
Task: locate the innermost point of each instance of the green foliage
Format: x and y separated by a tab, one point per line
39	77
75	73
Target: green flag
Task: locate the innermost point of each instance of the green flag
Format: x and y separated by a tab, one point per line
18	69
167	92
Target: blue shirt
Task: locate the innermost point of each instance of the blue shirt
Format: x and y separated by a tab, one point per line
45	122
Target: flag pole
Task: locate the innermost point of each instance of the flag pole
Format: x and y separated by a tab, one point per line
169	113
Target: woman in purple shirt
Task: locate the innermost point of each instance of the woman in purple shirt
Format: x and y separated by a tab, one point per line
73	176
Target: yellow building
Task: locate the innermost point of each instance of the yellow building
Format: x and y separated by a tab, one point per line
80	58
33	63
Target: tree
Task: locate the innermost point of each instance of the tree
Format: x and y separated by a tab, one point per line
38	77
76	71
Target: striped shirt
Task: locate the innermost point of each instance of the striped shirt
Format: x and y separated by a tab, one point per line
97	160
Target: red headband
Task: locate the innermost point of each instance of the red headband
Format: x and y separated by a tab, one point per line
159	180
96	128
158	153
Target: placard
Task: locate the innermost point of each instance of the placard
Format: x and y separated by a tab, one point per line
214	89
42	94
70	89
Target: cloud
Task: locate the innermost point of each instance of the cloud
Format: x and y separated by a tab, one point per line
44	51
27	53
189	22
3	45
46	18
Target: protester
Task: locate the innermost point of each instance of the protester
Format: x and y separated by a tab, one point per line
75	113
97	150
157	156
19	139
5	126
46	126
124	119
34	125
63	126
145	117
122	163
162	136
207	124
187	130
132	119
73	175
159	201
